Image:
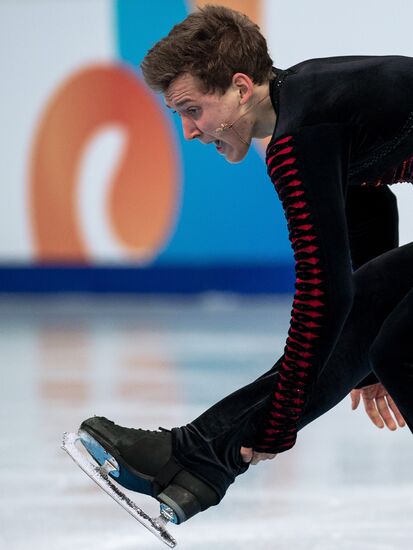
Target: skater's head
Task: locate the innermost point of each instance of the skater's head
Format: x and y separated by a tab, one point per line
213	69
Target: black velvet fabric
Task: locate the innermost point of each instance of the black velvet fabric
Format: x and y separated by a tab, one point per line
373	228
341	122
376	335
344	131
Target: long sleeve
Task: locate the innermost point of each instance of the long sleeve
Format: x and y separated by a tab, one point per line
309	171
373	222
373	227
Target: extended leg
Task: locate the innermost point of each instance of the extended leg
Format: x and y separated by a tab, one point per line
191	468
215	437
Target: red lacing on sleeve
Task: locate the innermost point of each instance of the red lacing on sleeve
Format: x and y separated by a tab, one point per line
403	173
288	399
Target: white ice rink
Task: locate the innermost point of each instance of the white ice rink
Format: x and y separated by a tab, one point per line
346	485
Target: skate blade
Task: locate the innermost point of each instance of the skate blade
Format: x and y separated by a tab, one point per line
100	477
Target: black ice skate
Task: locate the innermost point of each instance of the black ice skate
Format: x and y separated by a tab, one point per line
142	461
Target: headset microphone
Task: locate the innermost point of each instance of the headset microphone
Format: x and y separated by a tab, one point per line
228	125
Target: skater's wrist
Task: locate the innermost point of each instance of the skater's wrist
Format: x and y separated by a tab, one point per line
252	457
274	436
276	443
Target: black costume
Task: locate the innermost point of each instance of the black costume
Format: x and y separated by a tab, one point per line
341	121
344	131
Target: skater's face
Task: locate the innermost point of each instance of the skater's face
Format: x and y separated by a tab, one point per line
203	114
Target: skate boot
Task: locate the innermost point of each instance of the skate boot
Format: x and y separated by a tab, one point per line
143	462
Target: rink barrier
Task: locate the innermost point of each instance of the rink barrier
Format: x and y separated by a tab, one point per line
244	279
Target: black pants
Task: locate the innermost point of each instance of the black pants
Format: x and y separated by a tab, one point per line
377	336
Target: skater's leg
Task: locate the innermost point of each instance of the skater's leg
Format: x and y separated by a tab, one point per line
216	436
193	466
391	356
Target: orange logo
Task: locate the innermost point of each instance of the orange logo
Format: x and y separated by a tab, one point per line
143	196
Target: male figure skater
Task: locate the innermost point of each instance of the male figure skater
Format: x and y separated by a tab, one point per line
341	131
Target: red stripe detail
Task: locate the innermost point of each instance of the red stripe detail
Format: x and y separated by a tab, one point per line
305	227
313	303
309	324
300	204
309	281
294	183
282	152
307	354
291	160
314	292
276	183
283	140
290	173
310	249
308	311
308	237
312	261
313	314
305	345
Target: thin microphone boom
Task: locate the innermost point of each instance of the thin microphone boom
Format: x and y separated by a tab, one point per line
228	125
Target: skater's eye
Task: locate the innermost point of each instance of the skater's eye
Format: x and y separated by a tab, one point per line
193	113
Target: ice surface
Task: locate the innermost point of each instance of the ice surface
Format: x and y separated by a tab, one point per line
345	486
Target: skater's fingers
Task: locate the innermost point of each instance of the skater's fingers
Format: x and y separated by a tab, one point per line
355	399
372	412
385	413
247	454
257	457
255	460
398	415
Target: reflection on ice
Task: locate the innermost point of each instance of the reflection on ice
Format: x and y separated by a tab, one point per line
346	484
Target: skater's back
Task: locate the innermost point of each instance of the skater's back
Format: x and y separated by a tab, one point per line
370	95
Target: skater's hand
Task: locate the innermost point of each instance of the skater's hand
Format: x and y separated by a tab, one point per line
251	456
378	405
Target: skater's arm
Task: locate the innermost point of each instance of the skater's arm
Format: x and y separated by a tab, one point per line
309	171
373	222
373	227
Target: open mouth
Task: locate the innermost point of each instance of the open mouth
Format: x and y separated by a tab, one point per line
219	145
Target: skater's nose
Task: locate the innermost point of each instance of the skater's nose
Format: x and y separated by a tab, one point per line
189	128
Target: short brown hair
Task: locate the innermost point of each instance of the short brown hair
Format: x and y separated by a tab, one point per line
211	44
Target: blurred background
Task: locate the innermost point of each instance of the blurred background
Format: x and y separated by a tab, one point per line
143	278
99	191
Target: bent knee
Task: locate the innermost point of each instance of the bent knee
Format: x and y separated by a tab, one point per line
390	355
